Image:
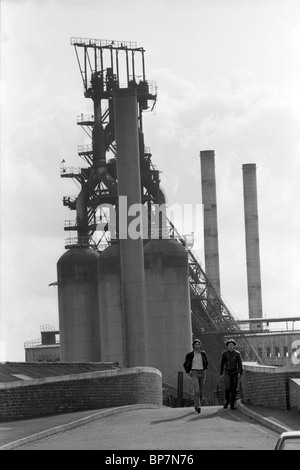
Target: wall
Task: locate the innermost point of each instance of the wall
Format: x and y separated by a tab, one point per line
49	353
78	392
284	341
268	386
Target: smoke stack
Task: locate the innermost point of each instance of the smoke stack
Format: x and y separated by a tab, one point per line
209	201
131	250
252	241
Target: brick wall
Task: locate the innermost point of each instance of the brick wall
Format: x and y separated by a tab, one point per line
268	386
78	392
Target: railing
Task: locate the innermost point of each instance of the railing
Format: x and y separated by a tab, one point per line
152	87
70	170
99	220
157	233
85	118
37	343
103	43
85	148
87	242
48	328
250	331
77	242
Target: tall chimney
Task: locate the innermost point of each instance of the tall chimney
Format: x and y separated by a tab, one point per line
252	241
131	249
209	201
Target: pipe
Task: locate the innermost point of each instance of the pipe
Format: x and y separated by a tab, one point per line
99	168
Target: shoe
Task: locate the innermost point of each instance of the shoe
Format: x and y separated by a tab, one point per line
233	408
199	410
225	405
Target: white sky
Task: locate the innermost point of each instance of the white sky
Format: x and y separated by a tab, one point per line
228	76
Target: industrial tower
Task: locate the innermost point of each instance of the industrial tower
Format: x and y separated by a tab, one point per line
111	72
106	66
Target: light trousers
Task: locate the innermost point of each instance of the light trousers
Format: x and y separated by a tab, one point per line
198	380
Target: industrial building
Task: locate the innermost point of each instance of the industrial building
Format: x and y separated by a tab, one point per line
129	286
44	349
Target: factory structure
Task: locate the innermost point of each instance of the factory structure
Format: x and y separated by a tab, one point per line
130	289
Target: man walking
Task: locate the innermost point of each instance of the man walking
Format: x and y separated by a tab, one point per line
195	364
231	370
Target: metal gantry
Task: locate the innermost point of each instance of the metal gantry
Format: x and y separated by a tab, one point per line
106	66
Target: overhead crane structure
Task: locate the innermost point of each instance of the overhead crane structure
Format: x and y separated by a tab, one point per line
106	66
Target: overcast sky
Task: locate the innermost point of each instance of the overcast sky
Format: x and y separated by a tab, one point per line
228	77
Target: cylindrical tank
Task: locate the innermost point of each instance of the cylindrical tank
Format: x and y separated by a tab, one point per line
110	305
78	306
168	306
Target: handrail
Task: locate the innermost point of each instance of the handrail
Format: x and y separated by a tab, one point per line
37	343
70	170
85	118
96	221
103	43
47	328
85	148
75	241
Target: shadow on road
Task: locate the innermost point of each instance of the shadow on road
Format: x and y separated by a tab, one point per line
191	415
183	416
225	414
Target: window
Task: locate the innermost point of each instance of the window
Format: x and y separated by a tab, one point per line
268	352
285	351
277	352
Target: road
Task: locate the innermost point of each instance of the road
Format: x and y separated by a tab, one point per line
164	429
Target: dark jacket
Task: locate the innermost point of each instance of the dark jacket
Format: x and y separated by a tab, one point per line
231	362
187	365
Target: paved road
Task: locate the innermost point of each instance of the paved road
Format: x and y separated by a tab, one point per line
164	429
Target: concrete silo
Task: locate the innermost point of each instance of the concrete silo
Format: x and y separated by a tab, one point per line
168	306
78	305
110	306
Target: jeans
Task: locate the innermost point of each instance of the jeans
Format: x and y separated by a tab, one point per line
231	383
198	380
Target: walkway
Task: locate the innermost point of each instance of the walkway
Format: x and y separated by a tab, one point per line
16	433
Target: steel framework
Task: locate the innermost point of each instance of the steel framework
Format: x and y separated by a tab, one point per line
101	72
